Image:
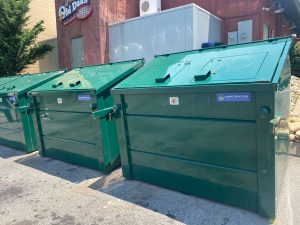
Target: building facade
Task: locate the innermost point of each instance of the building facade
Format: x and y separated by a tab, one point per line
44	10
82	25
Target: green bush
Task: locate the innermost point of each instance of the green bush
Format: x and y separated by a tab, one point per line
295	59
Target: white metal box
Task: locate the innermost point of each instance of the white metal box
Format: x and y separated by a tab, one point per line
179	29
149	6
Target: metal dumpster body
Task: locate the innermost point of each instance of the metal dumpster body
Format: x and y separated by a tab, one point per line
75	115
16	121
206	123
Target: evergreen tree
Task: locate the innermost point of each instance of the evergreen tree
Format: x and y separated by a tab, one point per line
18	47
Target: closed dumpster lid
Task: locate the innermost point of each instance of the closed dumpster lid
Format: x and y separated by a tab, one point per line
256	62
98	77
28	82
5	80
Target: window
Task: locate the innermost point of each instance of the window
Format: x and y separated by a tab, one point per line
267	33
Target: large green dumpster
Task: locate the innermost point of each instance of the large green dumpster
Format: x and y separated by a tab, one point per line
206	122
76	118
16	121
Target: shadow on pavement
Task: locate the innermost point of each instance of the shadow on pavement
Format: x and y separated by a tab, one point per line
72	173
181	207
6	152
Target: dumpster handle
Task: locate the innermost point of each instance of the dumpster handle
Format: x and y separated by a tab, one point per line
10	88
75	83
22	109
274	123
104	112
56	85
163	79
202	77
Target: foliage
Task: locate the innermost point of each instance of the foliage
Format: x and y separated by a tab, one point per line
18	41
295	59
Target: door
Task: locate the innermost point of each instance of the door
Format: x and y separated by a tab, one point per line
77	52
245	31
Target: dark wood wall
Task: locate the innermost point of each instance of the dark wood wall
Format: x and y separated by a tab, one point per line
94	29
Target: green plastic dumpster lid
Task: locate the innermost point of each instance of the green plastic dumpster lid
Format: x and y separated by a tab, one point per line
98	77
5	80
257	62
28	82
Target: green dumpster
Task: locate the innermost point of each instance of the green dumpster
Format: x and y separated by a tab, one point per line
210	122
16	121
76	118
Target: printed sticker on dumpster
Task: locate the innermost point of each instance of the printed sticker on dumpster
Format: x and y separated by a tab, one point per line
12	99
233	97
84	97
59	101
174	101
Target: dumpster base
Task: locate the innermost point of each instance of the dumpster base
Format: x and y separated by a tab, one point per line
204	180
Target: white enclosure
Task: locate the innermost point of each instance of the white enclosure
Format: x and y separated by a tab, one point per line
179	29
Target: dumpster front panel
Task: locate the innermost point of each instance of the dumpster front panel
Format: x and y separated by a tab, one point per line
11	128
17	125
68	130
191	147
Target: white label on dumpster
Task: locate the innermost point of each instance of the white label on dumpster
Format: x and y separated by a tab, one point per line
174	101
59	101
1	100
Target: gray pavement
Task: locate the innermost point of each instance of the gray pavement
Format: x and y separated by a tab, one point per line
36	190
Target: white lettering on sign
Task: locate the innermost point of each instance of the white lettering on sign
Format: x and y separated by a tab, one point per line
80	9
174	100
59	101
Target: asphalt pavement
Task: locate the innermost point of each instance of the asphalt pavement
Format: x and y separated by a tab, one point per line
37	190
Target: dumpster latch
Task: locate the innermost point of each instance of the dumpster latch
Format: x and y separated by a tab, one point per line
110	112
202	76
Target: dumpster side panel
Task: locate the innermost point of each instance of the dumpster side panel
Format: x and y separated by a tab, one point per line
265	154
28	125
111	153
281	130
123	137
